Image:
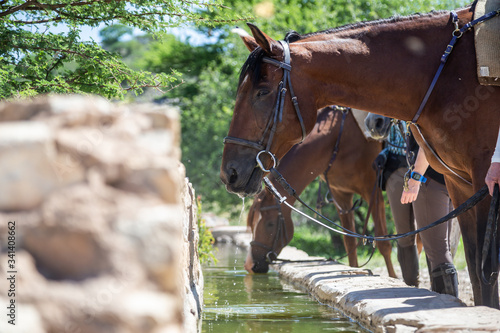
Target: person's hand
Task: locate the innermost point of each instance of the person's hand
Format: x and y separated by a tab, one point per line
493	176
379	161
412	193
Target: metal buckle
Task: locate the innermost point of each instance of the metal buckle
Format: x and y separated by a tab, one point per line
406	179
268	256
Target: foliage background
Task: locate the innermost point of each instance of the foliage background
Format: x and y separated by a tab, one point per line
34	59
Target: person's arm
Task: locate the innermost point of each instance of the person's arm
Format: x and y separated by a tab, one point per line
493	175
420	167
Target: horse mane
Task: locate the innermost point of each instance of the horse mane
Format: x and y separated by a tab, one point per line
374	23
252	65
254	60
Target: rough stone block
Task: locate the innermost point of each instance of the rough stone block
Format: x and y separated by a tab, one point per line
26	171
99	197
157	236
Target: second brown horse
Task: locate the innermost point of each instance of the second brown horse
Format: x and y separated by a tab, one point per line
349	172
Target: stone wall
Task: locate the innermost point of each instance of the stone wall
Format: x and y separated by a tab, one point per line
99	197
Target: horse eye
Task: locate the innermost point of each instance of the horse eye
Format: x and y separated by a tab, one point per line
270	224
262	93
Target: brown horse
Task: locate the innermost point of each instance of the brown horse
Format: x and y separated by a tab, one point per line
349	172
384	67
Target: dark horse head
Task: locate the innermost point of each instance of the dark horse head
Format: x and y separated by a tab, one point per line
271	232
265	123
378	126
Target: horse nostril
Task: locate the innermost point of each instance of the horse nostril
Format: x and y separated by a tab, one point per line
260	267
233	177
379	123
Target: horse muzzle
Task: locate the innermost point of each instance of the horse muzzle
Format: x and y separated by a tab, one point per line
256	266
260	267
378	126
243	180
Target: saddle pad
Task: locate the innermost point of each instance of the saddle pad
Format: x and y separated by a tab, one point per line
360	116
487	42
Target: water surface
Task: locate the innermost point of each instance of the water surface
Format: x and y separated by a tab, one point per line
237	302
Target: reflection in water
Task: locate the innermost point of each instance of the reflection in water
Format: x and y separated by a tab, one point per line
235	301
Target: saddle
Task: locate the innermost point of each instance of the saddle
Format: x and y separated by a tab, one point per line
487	43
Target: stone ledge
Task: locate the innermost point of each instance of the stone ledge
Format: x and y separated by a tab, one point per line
237	235
383	304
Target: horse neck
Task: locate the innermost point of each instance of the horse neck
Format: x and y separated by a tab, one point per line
313	154
299	175
357	67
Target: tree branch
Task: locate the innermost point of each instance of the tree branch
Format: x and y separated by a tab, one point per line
83	55
156	86
55	19
14	9
35	5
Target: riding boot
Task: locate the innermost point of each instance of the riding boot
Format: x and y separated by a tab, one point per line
445	279
408	260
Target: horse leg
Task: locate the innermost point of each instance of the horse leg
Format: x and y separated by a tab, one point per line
489	292
379	219
420	246
347	221
473	226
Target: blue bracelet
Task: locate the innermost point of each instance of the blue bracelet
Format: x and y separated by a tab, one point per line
418	177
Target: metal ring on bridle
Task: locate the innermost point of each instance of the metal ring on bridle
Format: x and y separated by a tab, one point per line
259	162
457	33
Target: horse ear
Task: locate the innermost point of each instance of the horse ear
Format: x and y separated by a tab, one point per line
269	45
249	41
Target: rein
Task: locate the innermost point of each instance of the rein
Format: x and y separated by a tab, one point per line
471	202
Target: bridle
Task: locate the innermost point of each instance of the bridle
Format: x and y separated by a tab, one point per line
277	116
271	255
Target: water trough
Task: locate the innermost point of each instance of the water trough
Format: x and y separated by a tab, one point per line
380	304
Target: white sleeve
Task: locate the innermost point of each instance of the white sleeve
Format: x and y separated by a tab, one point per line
496	154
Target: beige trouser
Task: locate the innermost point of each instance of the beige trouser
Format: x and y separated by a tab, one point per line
432	203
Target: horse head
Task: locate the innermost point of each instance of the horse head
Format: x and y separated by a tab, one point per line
266	121
271	232
378	126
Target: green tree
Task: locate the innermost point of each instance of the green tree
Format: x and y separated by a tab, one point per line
35	60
